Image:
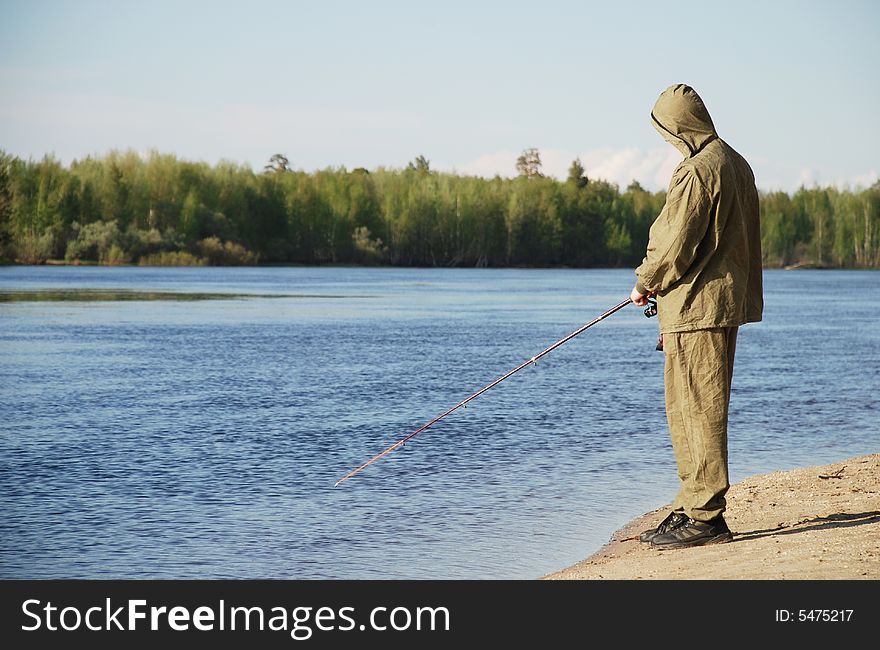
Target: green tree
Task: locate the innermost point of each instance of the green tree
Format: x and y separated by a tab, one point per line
5	206
778	229
421	165
192	217
577	175
618	241
820	213
533	224
529	163
155	209
277	163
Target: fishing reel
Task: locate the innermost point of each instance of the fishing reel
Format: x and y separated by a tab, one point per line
650	312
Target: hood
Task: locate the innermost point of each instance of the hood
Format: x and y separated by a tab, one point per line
682	119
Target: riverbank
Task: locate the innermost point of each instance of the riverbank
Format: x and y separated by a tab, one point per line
176	261
813	523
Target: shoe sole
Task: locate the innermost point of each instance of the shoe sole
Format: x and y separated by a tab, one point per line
717	539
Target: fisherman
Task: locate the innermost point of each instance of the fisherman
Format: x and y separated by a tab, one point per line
703	265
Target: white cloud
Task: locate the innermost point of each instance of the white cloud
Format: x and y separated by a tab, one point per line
773	177
652	168
807	177
500	163
858	181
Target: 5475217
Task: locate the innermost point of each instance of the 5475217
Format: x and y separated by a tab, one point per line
814	615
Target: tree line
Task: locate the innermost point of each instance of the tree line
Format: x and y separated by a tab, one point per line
125	208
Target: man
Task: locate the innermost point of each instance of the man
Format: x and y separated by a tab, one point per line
703	264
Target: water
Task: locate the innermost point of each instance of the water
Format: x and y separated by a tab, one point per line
160	438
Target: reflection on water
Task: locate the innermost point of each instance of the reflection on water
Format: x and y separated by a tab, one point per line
202	438
112	295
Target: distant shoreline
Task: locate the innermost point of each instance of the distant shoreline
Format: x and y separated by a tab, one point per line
800	266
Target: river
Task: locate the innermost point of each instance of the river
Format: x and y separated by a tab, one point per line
192	422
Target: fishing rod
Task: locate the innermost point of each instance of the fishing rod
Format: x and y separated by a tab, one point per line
464	403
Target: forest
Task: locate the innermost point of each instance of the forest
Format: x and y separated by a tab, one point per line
158	209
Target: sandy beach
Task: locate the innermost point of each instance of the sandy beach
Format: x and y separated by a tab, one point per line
813	523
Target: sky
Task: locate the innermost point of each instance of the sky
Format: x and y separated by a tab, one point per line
793	86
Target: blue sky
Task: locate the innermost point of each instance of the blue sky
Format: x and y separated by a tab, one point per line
793	86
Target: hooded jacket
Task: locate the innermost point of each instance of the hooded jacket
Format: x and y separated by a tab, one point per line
704	250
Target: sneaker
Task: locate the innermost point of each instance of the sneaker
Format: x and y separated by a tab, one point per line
694	533
672	521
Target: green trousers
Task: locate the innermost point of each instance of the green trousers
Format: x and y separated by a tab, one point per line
697	377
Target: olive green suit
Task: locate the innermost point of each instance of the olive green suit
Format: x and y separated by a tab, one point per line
704	264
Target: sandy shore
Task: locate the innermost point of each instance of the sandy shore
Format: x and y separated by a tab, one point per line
814	523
